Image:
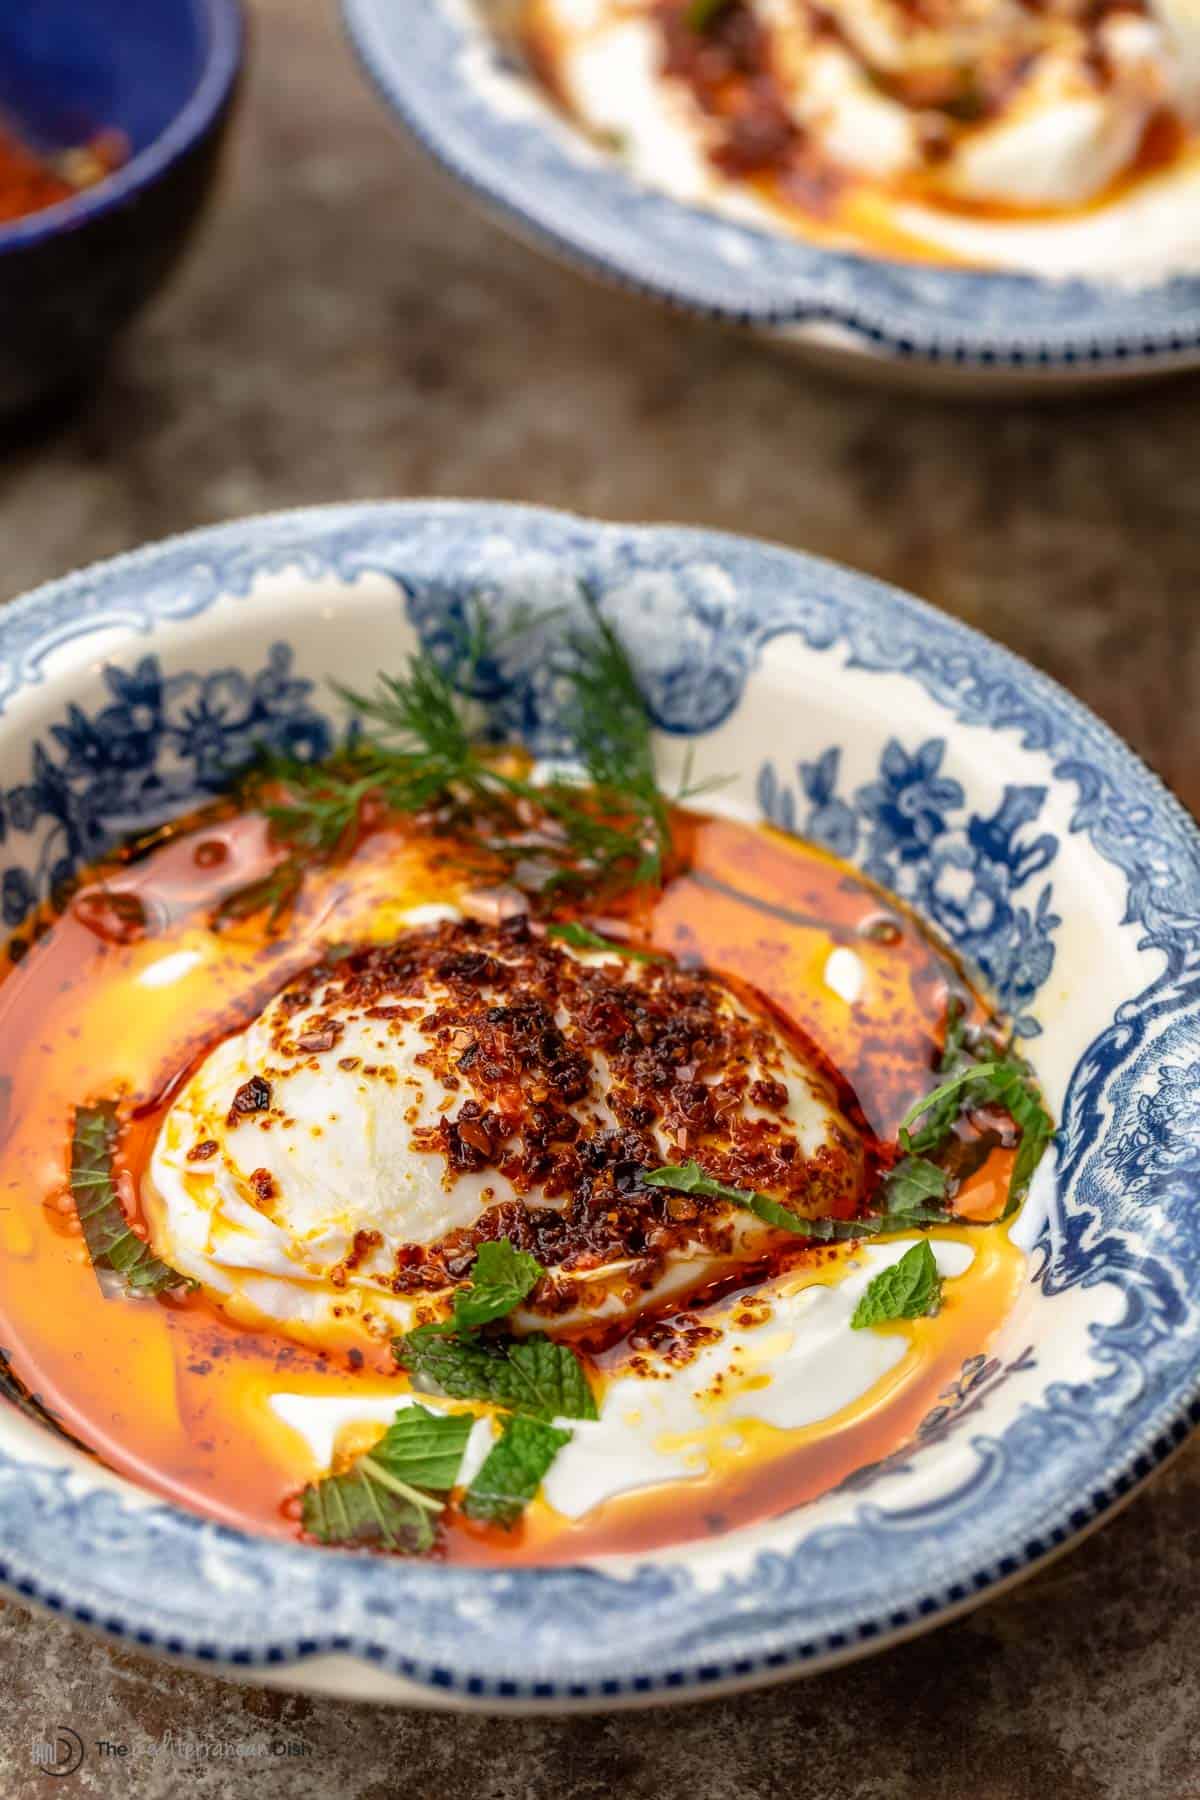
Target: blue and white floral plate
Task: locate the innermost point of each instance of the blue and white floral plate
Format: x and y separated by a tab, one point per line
938	762
440	65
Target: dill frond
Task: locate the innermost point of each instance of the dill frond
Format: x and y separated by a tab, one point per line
422	752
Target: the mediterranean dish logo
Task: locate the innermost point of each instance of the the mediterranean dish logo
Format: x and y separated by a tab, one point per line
63	1752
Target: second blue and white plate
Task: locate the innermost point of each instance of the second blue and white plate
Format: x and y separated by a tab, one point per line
442	68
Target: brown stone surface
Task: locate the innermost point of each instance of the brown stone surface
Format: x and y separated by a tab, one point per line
350	326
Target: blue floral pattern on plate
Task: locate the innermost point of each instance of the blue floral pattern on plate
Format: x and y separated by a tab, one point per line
158	746
436	62
700	611
911	831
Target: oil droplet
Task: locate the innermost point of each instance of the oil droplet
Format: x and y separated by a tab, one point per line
111	914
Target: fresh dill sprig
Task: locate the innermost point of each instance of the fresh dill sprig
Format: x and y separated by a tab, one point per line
422	745
421	751
315	816
691	789
611	729
614	829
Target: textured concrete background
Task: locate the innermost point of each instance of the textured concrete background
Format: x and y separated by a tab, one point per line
349	326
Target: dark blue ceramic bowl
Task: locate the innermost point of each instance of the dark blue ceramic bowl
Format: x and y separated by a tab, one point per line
163	72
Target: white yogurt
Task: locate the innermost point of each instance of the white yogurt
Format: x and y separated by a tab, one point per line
800	1366
1059	144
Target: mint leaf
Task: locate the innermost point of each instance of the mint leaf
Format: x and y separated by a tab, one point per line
355	1509
826	1230
530	1375
940	1115
423	1448
553	1384
571	932
908	1289
386	1496
466	1368
954	1043
500	1279
935	1103
513	1470
914	1193
689	1178
1037	1133
111	1241
911	1185
1012	1088
1005	1082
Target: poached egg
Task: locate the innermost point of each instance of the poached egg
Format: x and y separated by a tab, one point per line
333	1167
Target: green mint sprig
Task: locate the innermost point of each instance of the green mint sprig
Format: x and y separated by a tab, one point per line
908	1289
1005	1082
112	1244
392	1495
532	1375
533	1378
513	1470
501	1277
689	1178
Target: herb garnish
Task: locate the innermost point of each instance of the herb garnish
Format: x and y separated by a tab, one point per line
689	1178
916	1188
908	1289
513	1470
936	1104
916	1192
422	750
571	932
393	1494
531	1375
112	1243
610	727
535	1379
316	820
940	1115
1020	1100
501	1276
973	1080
